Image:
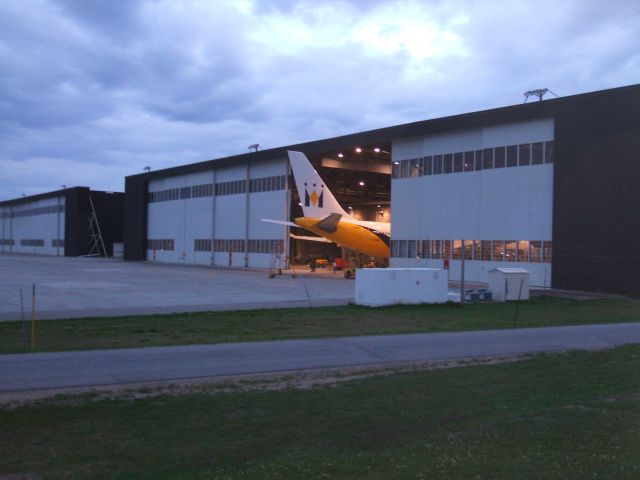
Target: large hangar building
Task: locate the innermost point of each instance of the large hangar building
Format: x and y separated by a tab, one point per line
64	222
549	186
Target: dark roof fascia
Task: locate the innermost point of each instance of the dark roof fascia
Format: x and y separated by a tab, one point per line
509	114
42	196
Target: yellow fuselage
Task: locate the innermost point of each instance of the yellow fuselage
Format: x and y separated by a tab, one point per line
349	235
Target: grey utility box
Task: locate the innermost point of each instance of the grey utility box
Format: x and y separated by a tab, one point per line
509	284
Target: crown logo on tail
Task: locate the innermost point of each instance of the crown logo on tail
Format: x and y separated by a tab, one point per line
314	199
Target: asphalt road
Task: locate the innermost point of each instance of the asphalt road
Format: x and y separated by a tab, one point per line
43	371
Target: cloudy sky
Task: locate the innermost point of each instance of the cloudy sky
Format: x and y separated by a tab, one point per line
94	90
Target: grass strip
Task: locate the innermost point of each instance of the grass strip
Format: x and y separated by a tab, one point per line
570	416
281	324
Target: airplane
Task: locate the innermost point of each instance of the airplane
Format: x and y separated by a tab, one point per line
324	216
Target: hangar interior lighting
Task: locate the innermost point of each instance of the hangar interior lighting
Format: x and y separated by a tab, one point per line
361	183
340	155
358	150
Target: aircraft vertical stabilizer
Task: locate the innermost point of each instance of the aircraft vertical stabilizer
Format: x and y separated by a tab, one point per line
316	198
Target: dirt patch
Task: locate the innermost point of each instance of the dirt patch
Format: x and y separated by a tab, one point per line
299	379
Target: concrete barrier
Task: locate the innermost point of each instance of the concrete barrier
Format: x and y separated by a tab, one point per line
376	287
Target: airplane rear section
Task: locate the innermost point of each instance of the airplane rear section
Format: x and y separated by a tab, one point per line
361	203
349	235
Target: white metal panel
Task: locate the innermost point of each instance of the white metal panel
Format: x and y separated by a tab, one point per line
516	133
271	205
227	174
40	226
494	204
377	287
230	216
507	203
268	169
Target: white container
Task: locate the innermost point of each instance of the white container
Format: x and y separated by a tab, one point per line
376	287
509	284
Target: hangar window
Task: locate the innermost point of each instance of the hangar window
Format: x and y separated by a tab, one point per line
478	159
525	154
471	249
499	157
427	165
425	249
185	192
549	150
412	249
404	168
512	156
404	248
547	251
537	153
522	251
446	248
231	188
510	250
32	242
535	251
487	158
415	167
448	163
485	250
468	161
202	190
458	161
265	246
57	242
35	211
456	252
202	245
436	249
394	248
395	170
160	244
437	164
7	242
498	251
228	245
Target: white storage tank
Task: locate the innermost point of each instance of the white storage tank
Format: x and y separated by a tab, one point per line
509	284
376	287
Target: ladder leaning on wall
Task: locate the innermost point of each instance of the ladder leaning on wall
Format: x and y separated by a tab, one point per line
96	244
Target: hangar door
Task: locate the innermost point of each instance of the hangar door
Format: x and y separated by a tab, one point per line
214	217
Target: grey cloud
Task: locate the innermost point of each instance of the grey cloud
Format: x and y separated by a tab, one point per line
118	20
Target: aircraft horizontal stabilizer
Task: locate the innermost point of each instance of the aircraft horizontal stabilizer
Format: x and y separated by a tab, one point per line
329	223
310	239
279	222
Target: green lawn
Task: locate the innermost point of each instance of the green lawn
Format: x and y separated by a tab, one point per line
258	325
570	416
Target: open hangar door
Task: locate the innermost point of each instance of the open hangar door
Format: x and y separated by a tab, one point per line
359	176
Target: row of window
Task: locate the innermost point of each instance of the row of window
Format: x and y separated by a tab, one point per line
30	242
160	244
534	251
238	245
474	160
33	211
265	184
222	245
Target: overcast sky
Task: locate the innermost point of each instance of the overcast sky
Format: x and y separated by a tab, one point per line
94	90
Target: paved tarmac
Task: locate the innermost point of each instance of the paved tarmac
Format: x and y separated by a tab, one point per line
42	371
68	287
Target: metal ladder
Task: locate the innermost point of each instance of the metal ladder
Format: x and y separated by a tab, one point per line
96	244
